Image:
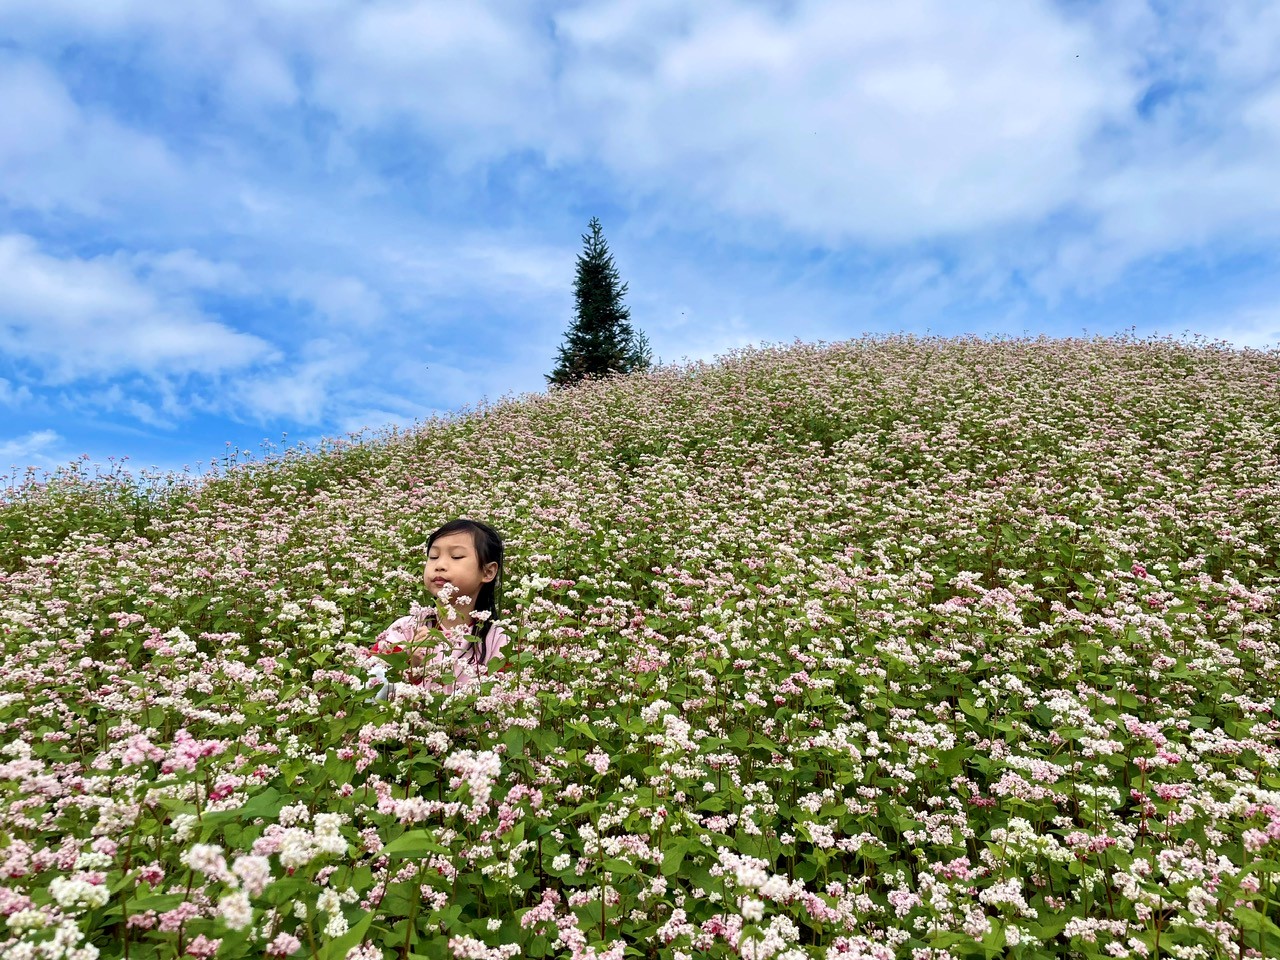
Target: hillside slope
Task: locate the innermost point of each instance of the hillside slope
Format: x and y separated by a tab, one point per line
881	646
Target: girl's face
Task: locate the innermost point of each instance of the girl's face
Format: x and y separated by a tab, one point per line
453	560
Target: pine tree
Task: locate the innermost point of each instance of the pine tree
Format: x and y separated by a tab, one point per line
601	340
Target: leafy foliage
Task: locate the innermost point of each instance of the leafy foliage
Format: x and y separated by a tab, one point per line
891	648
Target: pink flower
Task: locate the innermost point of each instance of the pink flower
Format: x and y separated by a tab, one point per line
202	947
1255	840
284	945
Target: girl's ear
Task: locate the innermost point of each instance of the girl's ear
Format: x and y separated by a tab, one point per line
489	572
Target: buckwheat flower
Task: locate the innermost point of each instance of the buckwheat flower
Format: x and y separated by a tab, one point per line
436	742
752	910
284	945
469	948
93	860
297	848
206	858
29	919
75	895
184	825
1255	840
254	872
1008	893
298	813
597	760
327	838
328	822
235	910
336	926
650	712
476	768
329	901
202	947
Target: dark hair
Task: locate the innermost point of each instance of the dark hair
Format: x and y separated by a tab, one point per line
488	550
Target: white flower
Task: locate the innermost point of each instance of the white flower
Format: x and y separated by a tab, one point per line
336	926
206	858
28	920
329	902
329	822
235	910
75	895
297	848
298	813
254	872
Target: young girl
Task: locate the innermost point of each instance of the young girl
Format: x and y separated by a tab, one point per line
451	641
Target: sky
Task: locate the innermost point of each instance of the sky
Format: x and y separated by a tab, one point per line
244	224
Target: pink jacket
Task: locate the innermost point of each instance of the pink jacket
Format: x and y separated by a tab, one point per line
441	659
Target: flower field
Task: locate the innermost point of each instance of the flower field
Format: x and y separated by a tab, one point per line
896	647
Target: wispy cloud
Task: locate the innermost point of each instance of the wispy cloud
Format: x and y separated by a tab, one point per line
39	448
1257	327
57	157
74	318
837	121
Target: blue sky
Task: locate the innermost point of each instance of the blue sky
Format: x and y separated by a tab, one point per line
224	222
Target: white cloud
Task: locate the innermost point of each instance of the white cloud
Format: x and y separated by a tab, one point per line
77	318
258	74
375	419
1254	327
242	47
39	448
345	301
845	121
855	120
476	76
492	264
310	389
11	396
1190	169
54	156
852	122
186	269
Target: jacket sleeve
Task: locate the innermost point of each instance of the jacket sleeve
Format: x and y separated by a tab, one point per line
497	643
395	637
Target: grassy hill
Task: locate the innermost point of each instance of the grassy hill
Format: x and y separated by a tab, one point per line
893	647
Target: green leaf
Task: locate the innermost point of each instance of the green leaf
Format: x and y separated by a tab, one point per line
673	856
514	740
414	843
337	949
1256	922
993	942
266	805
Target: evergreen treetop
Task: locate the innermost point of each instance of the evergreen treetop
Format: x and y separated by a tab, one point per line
601	340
